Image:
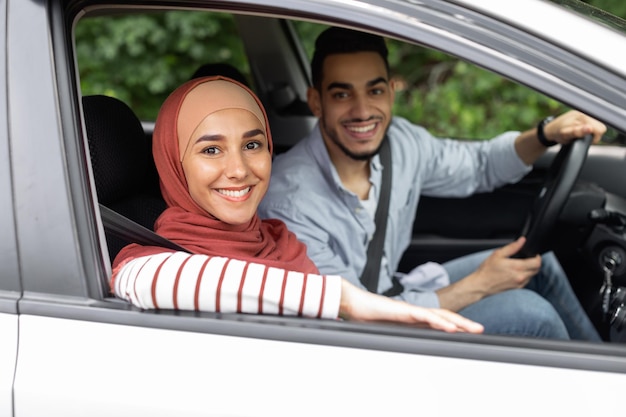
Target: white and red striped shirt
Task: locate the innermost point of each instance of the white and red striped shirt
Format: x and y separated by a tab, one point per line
183	281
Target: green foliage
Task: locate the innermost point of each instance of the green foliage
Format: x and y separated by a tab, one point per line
615	7
141	58
462	101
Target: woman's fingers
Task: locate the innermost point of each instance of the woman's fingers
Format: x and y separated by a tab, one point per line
361	305
462	323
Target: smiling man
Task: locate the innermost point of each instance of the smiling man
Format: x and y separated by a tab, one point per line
327	189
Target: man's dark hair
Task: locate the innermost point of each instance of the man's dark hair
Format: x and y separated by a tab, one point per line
336	40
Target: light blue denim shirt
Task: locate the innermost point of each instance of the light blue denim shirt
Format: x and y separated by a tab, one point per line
306	193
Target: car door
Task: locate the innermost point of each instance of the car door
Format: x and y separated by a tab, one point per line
82	352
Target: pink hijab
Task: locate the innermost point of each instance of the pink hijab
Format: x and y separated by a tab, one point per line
184	222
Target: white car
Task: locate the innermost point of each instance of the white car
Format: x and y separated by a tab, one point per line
69	348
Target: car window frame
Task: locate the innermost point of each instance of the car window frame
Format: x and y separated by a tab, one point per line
10	285
76	290
50	185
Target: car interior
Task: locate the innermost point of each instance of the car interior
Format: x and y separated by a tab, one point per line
121	157
126	180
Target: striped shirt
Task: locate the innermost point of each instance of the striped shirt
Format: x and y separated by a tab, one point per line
183	281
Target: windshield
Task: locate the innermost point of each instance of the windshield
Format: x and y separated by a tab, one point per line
595	13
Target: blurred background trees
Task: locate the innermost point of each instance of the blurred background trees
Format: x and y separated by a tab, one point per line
140	59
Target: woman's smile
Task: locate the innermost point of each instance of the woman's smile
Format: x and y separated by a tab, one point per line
235	194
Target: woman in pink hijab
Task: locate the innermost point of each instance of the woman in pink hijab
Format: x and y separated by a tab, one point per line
213	147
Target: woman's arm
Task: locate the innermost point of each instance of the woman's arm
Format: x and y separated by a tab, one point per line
178	280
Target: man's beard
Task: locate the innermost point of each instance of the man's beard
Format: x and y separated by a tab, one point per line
364	156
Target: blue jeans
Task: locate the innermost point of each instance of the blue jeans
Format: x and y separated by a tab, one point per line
546	308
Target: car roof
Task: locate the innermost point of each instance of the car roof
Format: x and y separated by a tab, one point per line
577	31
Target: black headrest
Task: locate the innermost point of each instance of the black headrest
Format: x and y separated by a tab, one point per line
220	68
120	154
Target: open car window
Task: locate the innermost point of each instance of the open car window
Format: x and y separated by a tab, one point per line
138	58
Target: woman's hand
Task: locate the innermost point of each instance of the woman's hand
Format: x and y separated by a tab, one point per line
360	305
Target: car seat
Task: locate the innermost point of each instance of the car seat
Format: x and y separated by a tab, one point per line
123	168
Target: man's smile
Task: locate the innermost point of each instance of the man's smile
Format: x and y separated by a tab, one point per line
362	129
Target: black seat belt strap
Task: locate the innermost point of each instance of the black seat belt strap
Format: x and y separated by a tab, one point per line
371	272
128	230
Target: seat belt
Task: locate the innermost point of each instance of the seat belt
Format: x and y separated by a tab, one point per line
371	272
128	230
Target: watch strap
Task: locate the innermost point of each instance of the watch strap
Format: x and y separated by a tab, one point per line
541	134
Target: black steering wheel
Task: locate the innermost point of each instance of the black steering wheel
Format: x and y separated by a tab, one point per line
552	196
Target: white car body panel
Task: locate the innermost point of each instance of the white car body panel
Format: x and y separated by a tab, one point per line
8	353
252	377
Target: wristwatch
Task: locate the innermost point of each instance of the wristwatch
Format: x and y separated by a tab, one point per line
541	135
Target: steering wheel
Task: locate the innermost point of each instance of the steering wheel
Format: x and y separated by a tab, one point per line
552	196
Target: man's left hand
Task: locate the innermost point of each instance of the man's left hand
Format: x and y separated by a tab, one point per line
573	125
